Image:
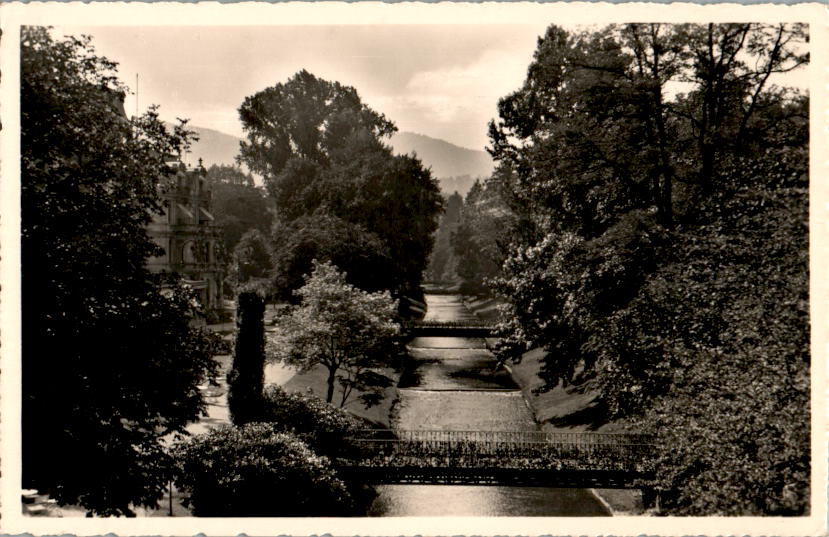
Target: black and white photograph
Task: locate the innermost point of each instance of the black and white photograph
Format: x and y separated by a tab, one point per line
475	267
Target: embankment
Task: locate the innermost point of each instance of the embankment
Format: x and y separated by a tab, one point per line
572	408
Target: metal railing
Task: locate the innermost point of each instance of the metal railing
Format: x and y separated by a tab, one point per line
468	323
502	449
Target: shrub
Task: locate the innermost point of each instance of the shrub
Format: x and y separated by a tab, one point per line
254	470
322	426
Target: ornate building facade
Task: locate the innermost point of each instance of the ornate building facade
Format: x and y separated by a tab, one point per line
189	236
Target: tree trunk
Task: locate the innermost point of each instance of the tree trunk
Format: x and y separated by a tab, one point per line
332	377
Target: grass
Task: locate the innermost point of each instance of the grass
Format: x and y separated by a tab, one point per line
315	382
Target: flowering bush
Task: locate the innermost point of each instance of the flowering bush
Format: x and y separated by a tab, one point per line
254	470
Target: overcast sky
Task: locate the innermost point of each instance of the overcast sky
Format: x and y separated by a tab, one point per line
440	80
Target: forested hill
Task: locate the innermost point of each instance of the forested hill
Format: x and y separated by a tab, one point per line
449	162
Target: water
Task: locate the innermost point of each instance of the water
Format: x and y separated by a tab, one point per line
463	500
455	385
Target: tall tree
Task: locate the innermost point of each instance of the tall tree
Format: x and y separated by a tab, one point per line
245	381
110	362
305	119
731	69
348	331
321	152
664	257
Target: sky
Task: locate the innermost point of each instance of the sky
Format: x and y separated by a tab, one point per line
443	81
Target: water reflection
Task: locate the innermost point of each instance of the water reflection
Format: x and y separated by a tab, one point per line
461	500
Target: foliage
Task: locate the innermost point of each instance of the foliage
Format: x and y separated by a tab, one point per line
321	153
254	470
110	363
480	240
237	204
737	409
251	262
661	252
348	331
360	254
442	262
245	380
286	122
321	426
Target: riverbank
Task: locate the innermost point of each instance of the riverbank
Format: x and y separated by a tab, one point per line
572	408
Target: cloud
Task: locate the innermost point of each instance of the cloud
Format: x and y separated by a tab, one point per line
450	92
456	102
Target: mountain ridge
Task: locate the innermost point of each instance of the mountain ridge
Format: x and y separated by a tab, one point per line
455	167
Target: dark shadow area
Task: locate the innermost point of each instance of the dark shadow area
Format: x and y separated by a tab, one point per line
469	373
592	416
412	376
500	378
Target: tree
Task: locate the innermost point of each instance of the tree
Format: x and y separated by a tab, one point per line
442	262
359	253
664	257
321	153
235	471
305	120
731	66
480	240
245	380
348	331
237	204
110	362
251	263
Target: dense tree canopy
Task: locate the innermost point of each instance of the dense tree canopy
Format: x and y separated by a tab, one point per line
660	246
238	205
480	240
110	361
321	153
323	427
442	263
362	255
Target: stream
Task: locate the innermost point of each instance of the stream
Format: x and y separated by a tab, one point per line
454	385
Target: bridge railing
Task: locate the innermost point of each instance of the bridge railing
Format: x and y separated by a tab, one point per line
469	323
503	449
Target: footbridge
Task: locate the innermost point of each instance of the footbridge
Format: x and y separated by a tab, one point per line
465	328
526	458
